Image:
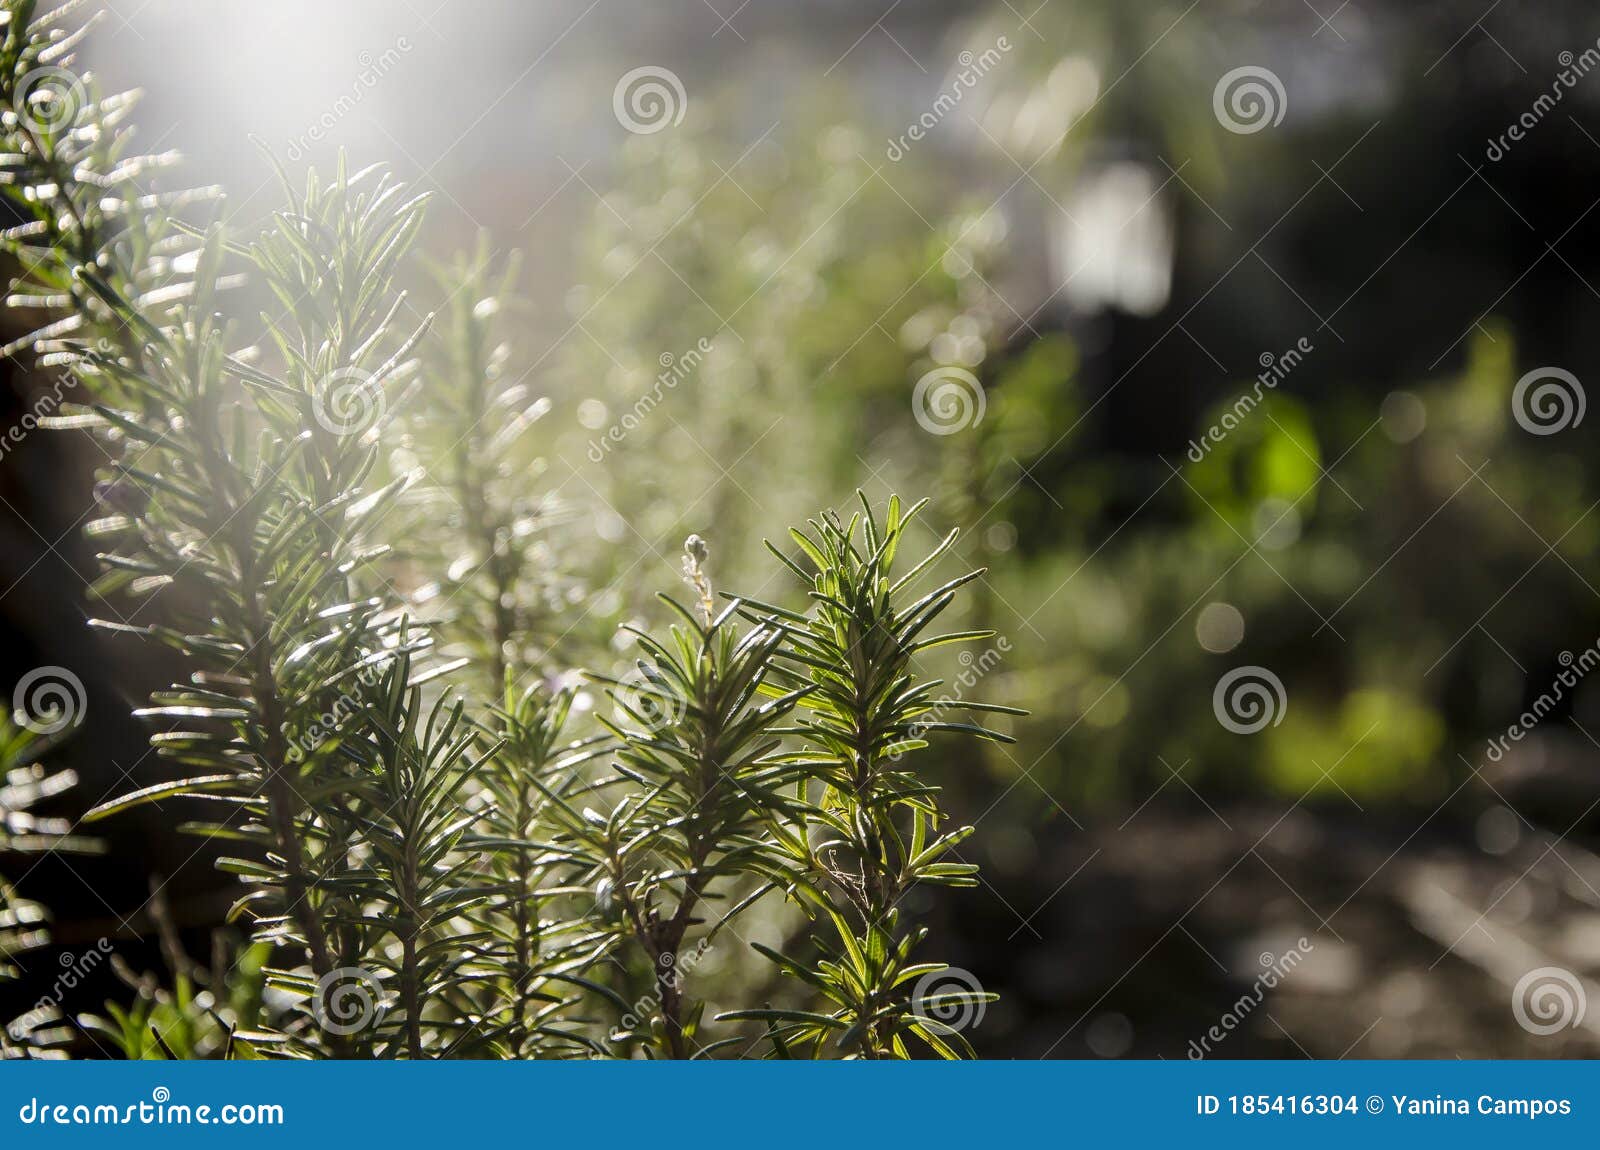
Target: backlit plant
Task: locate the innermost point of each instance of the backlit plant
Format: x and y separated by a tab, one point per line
439	854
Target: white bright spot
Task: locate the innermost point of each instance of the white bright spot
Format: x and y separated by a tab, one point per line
1116	249
1276	524
1404	416
1219	627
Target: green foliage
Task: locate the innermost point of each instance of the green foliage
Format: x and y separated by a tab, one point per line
205	1013
253	508
25	781
71	170
873	830
816	297
478	520
428	869
699	779
536	946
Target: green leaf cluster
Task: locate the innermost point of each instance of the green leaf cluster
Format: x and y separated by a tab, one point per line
433	862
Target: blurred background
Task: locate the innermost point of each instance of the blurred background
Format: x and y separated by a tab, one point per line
1246	343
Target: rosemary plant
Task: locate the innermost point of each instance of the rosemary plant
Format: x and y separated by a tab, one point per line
873	830
491	588
478	876
538	947
25	781
699	775
70	170
254	510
